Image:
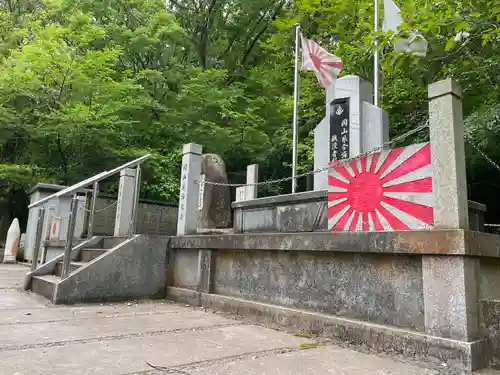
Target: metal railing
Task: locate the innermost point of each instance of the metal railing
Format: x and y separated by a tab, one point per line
74	189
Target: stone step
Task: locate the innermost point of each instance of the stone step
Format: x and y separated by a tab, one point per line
73	266
44	285
110	242
88	255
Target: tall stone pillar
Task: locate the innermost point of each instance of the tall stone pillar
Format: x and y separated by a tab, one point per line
125	204
187	219
451	283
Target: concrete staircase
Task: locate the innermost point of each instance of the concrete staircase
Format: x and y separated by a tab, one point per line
45	281
105	269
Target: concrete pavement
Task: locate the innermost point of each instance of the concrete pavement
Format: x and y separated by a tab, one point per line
158	337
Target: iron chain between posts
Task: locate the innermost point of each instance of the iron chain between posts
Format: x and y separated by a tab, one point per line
101	209
377	149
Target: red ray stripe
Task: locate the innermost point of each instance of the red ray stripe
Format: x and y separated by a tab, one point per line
393	221
418	186
419	211
364	162
334	210
366	223
418	160
340	225
332	181
333	196
354	222
332	64
343	172
373	164
376	221
354	166
393	155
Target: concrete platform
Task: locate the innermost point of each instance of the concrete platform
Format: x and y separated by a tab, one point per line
39	338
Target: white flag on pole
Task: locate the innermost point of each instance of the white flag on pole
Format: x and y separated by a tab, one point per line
415	44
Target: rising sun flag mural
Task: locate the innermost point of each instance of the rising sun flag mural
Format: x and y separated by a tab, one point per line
385	191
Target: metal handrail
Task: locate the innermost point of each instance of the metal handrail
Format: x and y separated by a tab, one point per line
91	180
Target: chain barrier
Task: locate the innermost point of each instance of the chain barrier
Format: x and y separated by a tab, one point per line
101	209
81	206
319	170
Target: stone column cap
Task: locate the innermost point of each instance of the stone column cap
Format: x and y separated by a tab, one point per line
444	87
127	172
191	148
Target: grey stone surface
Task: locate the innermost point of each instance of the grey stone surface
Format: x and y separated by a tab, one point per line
187	219
490	278
451	297
118	339
457	355
216	211
379	289
324	360
183	268
258	220
375	127
491	317
125	202
206	265
135	269
251	190
409	242
446	130
271	214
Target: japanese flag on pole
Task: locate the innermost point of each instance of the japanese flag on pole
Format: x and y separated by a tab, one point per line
326	65
415	44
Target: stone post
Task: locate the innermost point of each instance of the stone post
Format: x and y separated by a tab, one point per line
448	155
125	204
252	178
187	219
12	242
450	283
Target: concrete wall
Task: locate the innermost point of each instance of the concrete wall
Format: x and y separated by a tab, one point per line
304	212
41	191
153	217
376	288
367	287
381	289
133	269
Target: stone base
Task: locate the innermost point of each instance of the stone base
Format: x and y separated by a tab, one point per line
9	259
466	356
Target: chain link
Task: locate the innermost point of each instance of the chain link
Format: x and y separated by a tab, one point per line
468	138
319	170
101	209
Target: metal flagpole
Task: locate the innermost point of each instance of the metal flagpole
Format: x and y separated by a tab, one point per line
376	60
295	108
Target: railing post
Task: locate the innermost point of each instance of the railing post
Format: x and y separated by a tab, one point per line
69	237
137	191
38	238
93	203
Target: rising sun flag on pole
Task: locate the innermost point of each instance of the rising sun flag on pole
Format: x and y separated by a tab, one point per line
327	66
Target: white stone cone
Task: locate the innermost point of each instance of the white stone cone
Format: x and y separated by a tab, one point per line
12	243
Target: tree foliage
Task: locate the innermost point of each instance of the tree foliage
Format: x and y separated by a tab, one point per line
86	85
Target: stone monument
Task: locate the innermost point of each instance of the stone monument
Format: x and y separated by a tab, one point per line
12	243
352	125
215	200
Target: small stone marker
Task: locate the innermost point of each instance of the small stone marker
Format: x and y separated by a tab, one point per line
12	243
216	208
187	218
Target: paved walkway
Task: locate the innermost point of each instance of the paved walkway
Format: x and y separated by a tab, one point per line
37	338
